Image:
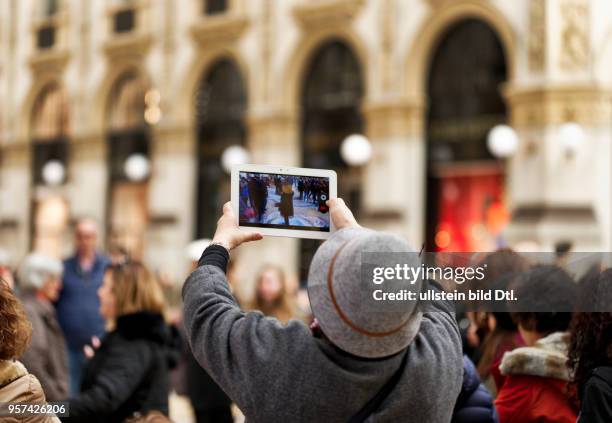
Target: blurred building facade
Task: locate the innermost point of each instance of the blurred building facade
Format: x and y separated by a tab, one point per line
121	110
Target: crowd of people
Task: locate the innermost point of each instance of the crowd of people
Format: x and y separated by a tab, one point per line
254	194
94	330
311	189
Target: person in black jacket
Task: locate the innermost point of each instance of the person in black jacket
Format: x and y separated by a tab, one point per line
474	404
590	350
129	373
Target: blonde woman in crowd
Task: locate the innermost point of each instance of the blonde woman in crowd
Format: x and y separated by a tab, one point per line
272	295
128	375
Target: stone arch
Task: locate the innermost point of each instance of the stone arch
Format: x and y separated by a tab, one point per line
416	65
38	88
205	59
297	65
102	99
220	122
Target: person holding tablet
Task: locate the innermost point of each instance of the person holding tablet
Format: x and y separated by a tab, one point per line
351	365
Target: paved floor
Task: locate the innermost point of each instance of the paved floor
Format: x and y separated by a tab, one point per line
305	213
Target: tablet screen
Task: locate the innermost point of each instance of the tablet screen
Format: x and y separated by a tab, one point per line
281	201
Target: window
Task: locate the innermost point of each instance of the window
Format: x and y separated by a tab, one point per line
464	181
212	7
124	20
127	132
330	110
127	105
49	130
49	8
45	151
50	115
127	137
220	111
45	37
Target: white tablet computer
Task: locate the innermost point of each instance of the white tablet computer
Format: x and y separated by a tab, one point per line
283	200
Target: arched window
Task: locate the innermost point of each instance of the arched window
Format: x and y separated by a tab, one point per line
127	103
46	32
465	184
128	142
332	90
220	111
49	7
212	7
50	118
49	129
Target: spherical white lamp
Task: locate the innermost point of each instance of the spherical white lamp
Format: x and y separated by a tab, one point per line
232	156
502	141
356	150
137	167
571	137
53	173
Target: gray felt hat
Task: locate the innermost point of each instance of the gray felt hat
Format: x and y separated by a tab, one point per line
336	292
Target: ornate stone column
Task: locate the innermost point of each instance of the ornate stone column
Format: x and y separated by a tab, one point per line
15	186
554	195
394	179
171	199
273	138
88	179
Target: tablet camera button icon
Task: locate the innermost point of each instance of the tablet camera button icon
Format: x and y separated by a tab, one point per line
323	197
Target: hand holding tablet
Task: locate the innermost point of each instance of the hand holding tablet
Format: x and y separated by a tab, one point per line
228	234
283	201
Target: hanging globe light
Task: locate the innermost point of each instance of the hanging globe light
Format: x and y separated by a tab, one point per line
502	141
571	137
234	155
53	173
137	167
356	150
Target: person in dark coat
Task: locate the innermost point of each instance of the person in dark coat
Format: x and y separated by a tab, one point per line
129	373
590	350
474	404
330	372
46	357
210	404
262	186
597	397
300	187
286	204
16	384
258	192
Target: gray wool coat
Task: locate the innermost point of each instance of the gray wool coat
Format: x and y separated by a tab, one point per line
279	373
46	356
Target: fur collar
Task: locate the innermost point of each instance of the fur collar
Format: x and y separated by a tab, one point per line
143	325
10	371
547	358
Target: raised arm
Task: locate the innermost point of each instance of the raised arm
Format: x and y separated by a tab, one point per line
241	351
